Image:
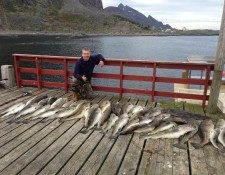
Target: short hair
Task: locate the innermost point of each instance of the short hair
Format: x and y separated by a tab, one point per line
86	49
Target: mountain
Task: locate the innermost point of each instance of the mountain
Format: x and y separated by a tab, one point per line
134	15
63	16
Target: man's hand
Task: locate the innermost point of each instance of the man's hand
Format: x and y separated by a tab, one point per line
73	79
101	63
84	78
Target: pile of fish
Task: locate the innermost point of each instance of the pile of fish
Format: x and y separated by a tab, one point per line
115	119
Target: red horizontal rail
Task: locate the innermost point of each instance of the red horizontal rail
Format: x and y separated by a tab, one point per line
28	82
121	63
180	95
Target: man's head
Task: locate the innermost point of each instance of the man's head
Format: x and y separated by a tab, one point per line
86	53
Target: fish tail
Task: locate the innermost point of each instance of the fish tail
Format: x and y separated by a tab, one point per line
10	121
25	121
103	131
123	132
196	145
84	131
62	120
181	146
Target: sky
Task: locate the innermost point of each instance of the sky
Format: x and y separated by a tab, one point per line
192	14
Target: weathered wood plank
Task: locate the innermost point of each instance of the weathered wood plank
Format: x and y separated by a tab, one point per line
180	161
213	160
79	157
115	156
27	145
196	157
7	147
97	157
50	149
63	156
168	157
11	97
104	151
12	126
134	152
150	167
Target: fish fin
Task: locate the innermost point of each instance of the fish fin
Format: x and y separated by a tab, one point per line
103	131
181	146
18	122
11	121
61	120
84	131
196	145
25	121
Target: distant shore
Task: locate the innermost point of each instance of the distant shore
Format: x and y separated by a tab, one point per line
75	34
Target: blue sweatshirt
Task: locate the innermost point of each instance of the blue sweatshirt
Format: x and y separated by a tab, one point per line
86	67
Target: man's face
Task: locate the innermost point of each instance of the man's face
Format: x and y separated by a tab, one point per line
86	55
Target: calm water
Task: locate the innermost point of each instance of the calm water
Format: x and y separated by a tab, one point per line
168	48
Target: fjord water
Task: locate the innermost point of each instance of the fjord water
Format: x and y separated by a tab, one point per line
156	48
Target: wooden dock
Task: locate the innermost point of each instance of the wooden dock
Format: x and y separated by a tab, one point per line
59	148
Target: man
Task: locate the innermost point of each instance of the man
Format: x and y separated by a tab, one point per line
81	79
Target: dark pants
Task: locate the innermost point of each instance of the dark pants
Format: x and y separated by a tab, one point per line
82	88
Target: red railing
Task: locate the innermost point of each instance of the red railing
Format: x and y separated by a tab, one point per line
121	63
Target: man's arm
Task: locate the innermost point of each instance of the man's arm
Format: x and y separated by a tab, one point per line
99	59
77	71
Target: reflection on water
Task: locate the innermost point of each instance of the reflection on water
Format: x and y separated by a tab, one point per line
170	48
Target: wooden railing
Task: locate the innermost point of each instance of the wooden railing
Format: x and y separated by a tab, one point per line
121	63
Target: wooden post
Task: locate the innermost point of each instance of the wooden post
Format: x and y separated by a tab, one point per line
218	69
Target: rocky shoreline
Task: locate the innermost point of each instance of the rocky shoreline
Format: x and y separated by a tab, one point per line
76	34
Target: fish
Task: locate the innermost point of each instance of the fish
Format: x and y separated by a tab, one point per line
135	109
135	124
138	111
220	125
205	128
126	108
110	123
174	132
93	121
74	104
36	113
120	123
116	108
177	119
185	114
213	137
183	139
162	127
43	102
77	113
48	113
156	113
67	104
29	110
12	108
221	137
51	100
32	101
146	129
59	103
15	110
105	107
36	99
88	113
